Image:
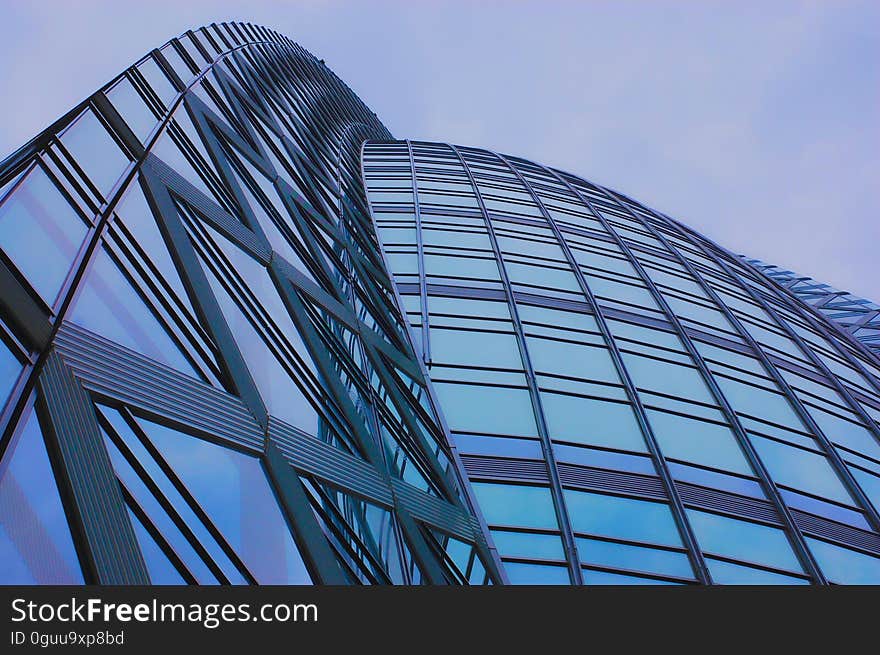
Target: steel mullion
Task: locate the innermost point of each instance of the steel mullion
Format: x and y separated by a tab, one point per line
423	291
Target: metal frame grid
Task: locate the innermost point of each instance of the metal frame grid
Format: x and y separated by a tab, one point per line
854	315
631	402
204	354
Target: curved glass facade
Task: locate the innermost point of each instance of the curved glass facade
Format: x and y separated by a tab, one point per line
204	377
246	337
631	402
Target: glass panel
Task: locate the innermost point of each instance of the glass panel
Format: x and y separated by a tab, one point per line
498	446
95	151
608	578
572	359
743	540
516	505
41	233
697	441
160	568
133	109
536	574
634	558
801	469
622	518
528	545
845	566
494	410
10	369
35	542
108	305
234	491
736	574
469	348
592	422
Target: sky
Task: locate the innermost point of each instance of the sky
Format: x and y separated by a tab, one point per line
756	123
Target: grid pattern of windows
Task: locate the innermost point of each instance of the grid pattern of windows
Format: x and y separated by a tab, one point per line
204	374
631	402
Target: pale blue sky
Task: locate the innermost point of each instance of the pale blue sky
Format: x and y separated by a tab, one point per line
754	122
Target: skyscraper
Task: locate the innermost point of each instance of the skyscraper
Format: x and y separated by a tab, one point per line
204	375
250	338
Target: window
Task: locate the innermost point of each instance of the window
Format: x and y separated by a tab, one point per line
621	518
592	422
493	410
843	565
572	359
697	441
751	542
41	233
516	505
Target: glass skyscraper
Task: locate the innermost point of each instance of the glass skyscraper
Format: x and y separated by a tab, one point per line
248	337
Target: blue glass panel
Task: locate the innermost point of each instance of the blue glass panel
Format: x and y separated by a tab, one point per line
10	369
234	491
608	578
735	574
697	441
472	348
623	518
528	544
743	540
144	497
498	446
846	433
95	151
800	469
592	422
131	106
159	567
516	505
634	558
108	305
41	233
713	479
494	410
668	378
572	359
35	542
603	459
869	483
845	566
284	399
536	574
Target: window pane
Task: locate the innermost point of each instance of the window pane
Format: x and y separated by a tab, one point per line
592	422
536	574
41	233
728	573
699	442
634	558
743	540
526	544
516	505
495	410
35	542
234	491
845	566
623	518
